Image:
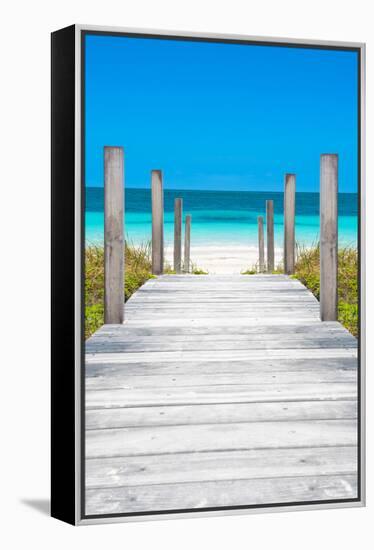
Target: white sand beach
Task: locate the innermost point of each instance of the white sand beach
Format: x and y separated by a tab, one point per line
225	259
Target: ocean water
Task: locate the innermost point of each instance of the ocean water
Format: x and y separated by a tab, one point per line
220	218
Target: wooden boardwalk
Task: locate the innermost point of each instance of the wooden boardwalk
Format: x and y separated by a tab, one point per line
220	391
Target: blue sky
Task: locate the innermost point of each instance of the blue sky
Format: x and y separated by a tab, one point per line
220	116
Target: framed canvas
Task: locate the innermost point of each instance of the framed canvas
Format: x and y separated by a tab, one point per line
207	274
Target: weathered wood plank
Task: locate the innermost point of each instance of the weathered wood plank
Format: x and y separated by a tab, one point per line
212	355
147	345
246	333
218	466
253	337
253	393
250	297
129	330
221	413
121	381
215	437
227	306
244	366
293	322
220	493
206	282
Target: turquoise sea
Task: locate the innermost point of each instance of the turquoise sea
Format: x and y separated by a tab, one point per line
220	217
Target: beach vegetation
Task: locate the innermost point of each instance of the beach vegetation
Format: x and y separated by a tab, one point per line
307	271
196	270
138	270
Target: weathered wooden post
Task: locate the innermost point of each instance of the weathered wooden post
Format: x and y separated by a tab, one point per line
261	247
177	235
329	237
270	235
289	223
114	263
157	222
187	244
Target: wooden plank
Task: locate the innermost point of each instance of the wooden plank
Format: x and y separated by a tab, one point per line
211	355
128	330
241	366
220	493
249	296
113	235
228	278
242	281
202	292
235	301
217	341
218	466
261	333
157	222
121	381
215	437
222	413
253	393
252	339
202	344
167	292
245	306
307	312
211	322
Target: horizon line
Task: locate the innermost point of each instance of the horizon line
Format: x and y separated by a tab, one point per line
220	190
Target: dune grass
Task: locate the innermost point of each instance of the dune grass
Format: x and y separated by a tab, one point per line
138	269
307	271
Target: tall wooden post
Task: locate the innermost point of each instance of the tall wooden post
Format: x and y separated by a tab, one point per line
270	235
329	237
114	263
289	223
261	247
157	222
187	244
177	235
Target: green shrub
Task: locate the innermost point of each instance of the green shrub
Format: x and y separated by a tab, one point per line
307	271
138	268
195	270
348	316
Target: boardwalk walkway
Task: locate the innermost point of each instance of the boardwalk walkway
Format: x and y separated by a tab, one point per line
219	391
